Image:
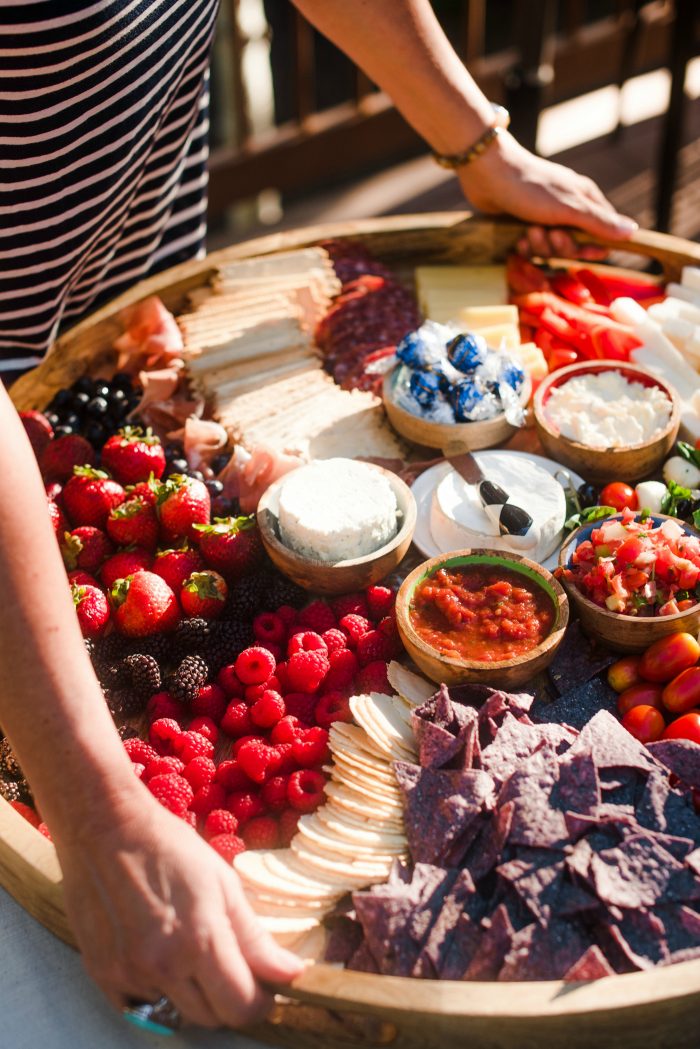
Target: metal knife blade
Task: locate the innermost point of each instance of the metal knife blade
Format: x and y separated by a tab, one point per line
509	518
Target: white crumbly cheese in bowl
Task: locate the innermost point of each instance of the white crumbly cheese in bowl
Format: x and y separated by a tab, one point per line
607	410
337	510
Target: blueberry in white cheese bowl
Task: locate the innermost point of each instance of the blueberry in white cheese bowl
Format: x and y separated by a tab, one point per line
336	525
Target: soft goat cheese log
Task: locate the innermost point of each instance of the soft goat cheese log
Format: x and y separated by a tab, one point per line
336	510
458	520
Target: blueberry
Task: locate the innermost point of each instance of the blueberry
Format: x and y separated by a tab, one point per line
62	431
84	385
72	420
214	488
122	381
62	399
117	398
101	389
172	451
96	408
179	466
587	495
95	433
80	402
196	475
53	419
219	462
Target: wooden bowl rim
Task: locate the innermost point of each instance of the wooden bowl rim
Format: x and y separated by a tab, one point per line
406	502
456	429
574	592
562	375
513	561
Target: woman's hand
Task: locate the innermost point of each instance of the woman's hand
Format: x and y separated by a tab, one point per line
508	178
156	911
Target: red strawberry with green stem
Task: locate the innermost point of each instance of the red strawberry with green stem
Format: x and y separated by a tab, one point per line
123	564
90	496
85	547
231	545
133	522
133	454
204	594
143	605
146	490
61	455
92	609
175	566
38	429
183	503
58	520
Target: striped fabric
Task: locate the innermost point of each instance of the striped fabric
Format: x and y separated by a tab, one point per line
103	152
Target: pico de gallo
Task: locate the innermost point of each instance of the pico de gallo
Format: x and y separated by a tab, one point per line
635	567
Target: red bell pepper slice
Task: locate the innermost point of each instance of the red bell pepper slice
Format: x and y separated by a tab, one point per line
618	285
523	276
561	359
571	288
614	342
574	336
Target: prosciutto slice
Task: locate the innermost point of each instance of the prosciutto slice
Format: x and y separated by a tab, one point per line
151	336
248	474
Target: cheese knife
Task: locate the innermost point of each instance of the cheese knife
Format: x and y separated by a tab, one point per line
509	518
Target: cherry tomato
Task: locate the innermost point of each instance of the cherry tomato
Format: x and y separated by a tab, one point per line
619	495
641	695
686	727
683	693
625	673
665	659
646	724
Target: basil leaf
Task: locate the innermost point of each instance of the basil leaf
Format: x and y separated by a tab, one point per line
687	452
591	513
696	518
645	515
674	494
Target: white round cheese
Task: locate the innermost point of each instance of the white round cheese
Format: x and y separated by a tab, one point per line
336	510
458	519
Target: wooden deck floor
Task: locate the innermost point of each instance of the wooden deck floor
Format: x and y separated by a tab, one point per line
623	166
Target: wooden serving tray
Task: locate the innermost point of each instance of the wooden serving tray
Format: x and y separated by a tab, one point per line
326	1006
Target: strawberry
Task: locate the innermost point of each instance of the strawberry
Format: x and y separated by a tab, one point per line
60	456
58	520
85	547
133	522
183	503
132	455
39	431
92	609
53	491
146	490
231	545
123	564
90	495
80	578
204	594
174	566
144	604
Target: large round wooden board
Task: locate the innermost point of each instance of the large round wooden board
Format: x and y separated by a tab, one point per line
329	1007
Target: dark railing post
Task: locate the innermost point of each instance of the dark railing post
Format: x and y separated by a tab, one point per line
535	22
682	48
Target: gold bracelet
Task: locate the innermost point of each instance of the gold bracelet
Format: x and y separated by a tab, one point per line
458	160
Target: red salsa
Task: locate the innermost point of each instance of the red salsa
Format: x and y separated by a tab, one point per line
482	612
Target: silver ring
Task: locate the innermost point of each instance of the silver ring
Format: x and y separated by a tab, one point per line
160	1017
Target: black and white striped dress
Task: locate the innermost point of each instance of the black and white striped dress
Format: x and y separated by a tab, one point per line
103	153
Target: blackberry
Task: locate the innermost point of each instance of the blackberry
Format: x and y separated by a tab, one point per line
124	703
189	677
159	646
110	649
10	790
247	596
282	591
144	672
191	634
112	675
228	640
9	765
127	732
89	646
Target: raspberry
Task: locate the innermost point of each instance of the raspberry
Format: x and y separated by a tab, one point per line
199	772
268	710
210	702
220	821
254	665
286	730
372	678
258	760
227	845
253	693
380	601
261	833
43	829
306	641
306	670
30	814
163	767
305	790
190	818
244	805
354	626
343	667
288	822
236	721
350	605
245	739
332	706
165	734
163	705
287	761
312	748
288	615
227	680
281	675
269	627
139	750
387	625
194	745
205	727
274	650
300	705
207	798
373	646
173	792
274	793
335	640
231	776
317	616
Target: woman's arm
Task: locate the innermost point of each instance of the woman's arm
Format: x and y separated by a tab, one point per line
154	909
401	47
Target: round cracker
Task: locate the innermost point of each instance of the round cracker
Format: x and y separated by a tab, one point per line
357	736
365	830
252	869
411	687
291	926
353	873
318	836
374	806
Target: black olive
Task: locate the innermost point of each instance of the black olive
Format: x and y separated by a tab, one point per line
684	507
96	408
587	495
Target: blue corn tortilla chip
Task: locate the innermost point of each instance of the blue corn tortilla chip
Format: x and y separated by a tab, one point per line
640	937
682	929
681	756
576	707
544	953
610	745
461	949
578	787
496	942
577	660
431	960
535	822
592	965
516	740
638	873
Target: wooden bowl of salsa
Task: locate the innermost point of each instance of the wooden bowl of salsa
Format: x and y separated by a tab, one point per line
481	616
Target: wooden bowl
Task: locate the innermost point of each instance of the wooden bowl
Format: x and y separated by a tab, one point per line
505	673
342	577
486	434
619	632
628	463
